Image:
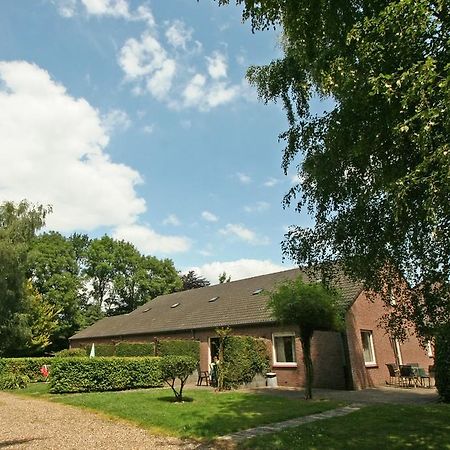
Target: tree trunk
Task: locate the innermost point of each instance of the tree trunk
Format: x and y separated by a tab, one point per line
305	339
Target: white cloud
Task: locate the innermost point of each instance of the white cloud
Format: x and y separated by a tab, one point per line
257	207
271	182
243	234
239	269
209	216
116	119
146	61
67	8
297	179
217	66
172	219
114	8
244	178
178	34
149	241
53	152
148	129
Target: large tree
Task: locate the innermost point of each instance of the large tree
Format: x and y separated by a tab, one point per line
311	307
121	278
54	271
18	225
374	168
192	280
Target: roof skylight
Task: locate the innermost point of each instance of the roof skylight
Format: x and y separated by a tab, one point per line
174	305
146	309
211	300
258	291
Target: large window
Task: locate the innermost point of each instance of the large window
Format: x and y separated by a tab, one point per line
368	349
284	349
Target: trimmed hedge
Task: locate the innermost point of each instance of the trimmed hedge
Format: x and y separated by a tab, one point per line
102	349
25	367
442	363
72	353
179	347
104	374
133	349
243	358
12	381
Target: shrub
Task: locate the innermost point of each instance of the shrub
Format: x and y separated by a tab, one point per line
72	353
104	374
179	347
13	381
102	349
26	367
442	363
175	367
133	349
243	358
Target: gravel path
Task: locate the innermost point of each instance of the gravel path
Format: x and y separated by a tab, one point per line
30	423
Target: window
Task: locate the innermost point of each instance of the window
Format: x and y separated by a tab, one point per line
429	348
284	349
368	349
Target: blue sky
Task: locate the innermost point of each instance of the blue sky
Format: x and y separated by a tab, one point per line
134	119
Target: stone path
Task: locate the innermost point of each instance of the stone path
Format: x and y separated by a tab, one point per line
275	427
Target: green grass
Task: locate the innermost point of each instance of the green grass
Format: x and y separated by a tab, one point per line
373	427
205	415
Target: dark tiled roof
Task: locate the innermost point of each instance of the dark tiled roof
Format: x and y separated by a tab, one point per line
236	305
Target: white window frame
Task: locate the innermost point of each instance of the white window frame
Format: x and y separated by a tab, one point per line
274	352
429	348
371	346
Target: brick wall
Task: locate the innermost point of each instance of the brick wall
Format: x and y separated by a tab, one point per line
364	315
326	352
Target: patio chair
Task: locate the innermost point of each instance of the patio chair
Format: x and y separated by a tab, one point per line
422	376
408	376
202	375
394	373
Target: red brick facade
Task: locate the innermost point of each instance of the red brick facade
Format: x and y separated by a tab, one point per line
364	315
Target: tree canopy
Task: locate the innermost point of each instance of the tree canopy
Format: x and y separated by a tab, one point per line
192	280
311	307
18	226
374	167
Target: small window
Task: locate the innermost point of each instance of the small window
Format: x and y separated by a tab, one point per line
174	305
429	348
146	310
258	291
211	300
368	348
284	349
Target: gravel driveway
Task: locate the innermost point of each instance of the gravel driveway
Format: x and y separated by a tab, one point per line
29	423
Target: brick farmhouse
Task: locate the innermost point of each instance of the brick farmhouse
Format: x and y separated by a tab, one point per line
355	359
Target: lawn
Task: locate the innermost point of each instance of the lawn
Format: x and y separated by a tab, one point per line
373	427
205	414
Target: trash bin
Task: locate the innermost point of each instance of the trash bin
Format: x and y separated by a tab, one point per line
271	379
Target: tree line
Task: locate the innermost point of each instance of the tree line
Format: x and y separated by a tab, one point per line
53	285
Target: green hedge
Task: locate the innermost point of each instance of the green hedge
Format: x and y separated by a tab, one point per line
179	347
442	363
72	353
243	358
133	349
102	349
25	367
104	374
